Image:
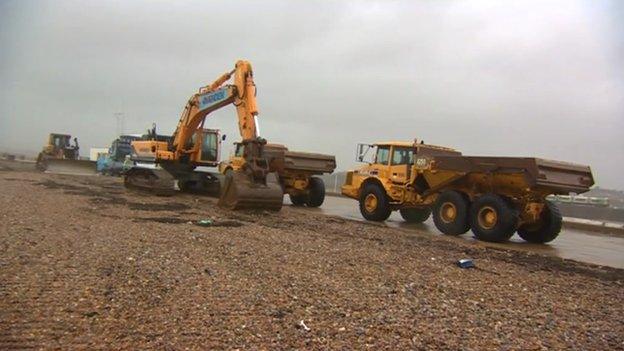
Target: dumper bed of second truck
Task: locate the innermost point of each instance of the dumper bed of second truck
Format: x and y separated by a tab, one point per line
296	171
284	160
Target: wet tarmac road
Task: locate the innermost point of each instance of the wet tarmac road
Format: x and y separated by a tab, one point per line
572	244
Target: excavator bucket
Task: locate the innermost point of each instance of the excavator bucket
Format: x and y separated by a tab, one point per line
67	166
240	192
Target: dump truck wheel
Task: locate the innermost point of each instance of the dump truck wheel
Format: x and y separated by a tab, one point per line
374	203
547	229
297	200
450	213
316	192
415	215
493	219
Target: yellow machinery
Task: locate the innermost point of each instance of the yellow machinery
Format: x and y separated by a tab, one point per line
253	186
493	196
60	156
296	171
235	162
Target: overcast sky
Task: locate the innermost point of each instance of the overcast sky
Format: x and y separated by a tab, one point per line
525	78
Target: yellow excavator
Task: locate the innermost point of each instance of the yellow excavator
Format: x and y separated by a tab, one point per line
251	187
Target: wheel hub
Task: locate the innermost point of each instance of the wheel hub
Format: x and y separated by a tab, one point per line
370	203
448	212
487	217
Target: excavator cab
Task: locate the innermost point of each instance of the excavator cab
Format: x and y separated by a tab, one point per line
208	148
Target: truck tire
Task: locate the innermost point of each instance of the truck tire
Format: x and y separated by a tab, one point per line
547	229
374	203
450	213
316	194
297	200
493	219
415	215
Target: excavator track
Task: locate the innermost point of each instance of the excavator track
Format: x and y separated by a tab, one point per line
154	181
239	192
201	183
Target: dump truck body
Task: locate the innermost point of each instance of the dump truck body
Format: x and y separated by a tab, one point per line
295	170
410	177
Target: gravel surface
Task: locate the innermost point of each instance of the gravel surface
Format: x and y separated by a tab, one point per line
85	264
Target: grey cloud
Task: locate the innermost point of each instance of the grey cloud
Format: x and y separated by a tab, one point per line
510	78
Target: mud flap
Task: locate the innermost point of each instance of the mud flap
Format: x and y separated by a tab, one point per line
240	192
65	166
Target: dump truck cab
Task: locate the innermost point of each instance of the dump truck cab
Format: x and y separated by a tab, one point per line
390	165
236	160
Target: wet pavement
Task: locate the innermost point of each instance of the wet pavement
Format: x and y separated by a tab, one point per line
585	246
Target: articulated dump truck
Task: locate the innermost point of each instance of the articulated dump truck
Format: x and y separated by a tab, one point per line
493	196
295	171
